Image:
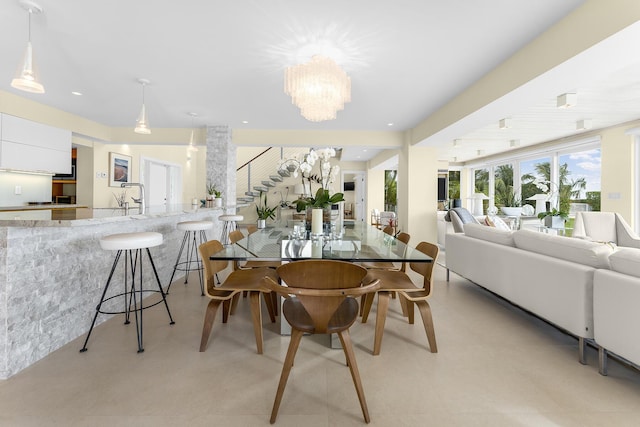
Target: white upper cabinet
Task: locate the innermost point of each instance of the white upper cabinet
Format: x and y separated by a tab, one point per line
32	146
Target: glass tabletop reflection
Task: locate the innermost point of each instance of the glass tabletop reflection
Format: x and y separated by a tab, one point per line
359	243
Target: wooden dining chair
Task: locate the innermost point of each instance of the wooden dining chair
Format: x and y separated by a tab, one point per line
386	265
237	282
320	298
400	282
236	236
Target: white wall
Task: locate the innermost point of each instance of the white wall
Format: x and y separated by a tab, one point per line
35	188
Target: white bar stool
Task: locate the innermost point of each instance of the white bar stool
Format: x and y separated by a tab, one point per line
132	245
191	231
230	224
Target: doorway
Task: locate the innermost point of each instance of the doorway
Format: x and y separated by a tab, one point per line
162	181
354	184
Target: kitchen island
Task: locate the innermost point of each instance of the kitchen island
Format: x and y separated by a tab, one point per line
53	271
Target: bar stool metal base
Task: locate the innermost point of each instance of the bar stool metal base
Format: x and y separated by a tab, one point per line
190	241
131	294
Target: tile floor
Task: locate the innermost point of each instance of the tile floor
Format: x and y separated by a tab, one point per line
496	366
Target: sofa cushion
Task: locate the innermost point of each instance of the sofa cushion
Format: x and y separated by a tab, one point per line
490	234
626	261
592	254
497	222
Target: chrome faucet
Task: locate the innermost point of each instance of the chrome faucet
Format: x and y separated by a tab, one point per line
140	200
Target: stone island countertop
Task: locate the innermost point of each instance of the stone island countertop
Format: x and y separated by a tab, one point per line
81	216
53	271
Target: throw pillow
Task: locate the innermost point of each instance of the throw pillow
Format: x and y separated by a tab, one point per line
500	224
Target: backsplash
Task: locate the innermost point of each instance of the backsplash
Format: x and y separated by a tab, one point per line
33	188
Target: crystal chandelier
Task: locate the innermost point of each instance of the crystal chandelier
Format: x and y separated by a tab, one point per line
319	88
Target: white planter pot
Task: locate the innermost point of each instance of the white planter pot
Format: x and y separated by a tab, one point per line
554	221
511	211
262	223
218	202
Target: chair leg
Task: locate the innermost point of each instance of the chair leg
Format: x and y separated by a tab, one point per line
256	315
276	302
367	302
425	312
381	317
234	304
296	336
410	310
209	317
347	345
226	307
268	300
403	306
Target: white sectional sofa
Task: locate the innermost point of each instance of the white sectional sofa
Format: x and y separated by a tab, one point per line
550	276
616	297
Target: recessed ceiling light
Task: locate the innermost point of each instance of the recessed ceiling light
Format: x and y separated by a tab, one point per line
365	150
389	124
567	100
76	93
504	123
584	124
245	122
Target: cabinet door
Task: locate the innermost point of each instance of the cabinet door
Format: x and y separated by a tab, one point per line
36	159
32	146
16	129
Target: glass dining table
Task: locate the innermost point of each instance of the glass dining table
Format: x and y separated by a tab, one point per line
357	243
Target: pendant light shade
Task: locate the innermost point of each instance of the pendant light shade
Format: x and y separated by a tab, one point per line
142	124
26	77
192	147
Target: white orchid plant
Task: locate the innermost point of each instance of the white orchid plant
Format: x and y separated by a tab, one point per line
552	196
303	164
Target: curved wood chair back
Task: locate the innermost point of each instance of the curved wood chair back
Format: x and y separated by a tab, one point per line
235	236
211	267
252	228
388	230
321	286
426	268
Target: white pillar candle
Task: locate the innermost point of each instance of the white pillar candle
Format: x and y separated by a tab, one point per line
316	221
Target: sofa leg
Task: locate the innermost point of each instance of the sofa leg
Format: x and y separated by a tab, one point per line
602	361
582	356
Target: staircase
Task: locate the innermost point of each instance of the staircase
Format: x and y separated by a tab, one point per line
261	174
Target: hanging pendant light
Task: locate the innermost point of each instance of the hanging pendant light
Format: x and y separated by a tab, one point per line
26	77
142	124
191	137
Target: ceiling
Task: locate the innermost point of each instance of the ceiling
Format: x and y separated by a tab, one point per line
225	62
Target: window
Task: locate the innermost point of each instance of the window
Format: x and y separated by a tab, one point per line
579	178
505	193
534	171
454	185
390	190
481	185
568	176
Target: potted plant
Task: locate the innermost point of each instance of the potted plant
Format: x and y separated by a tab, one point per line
512	204
554	218
264	211
211	190
218	198
318	208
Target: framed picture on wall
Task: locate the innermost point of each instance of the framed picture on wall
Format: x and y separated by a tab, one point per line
119	169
